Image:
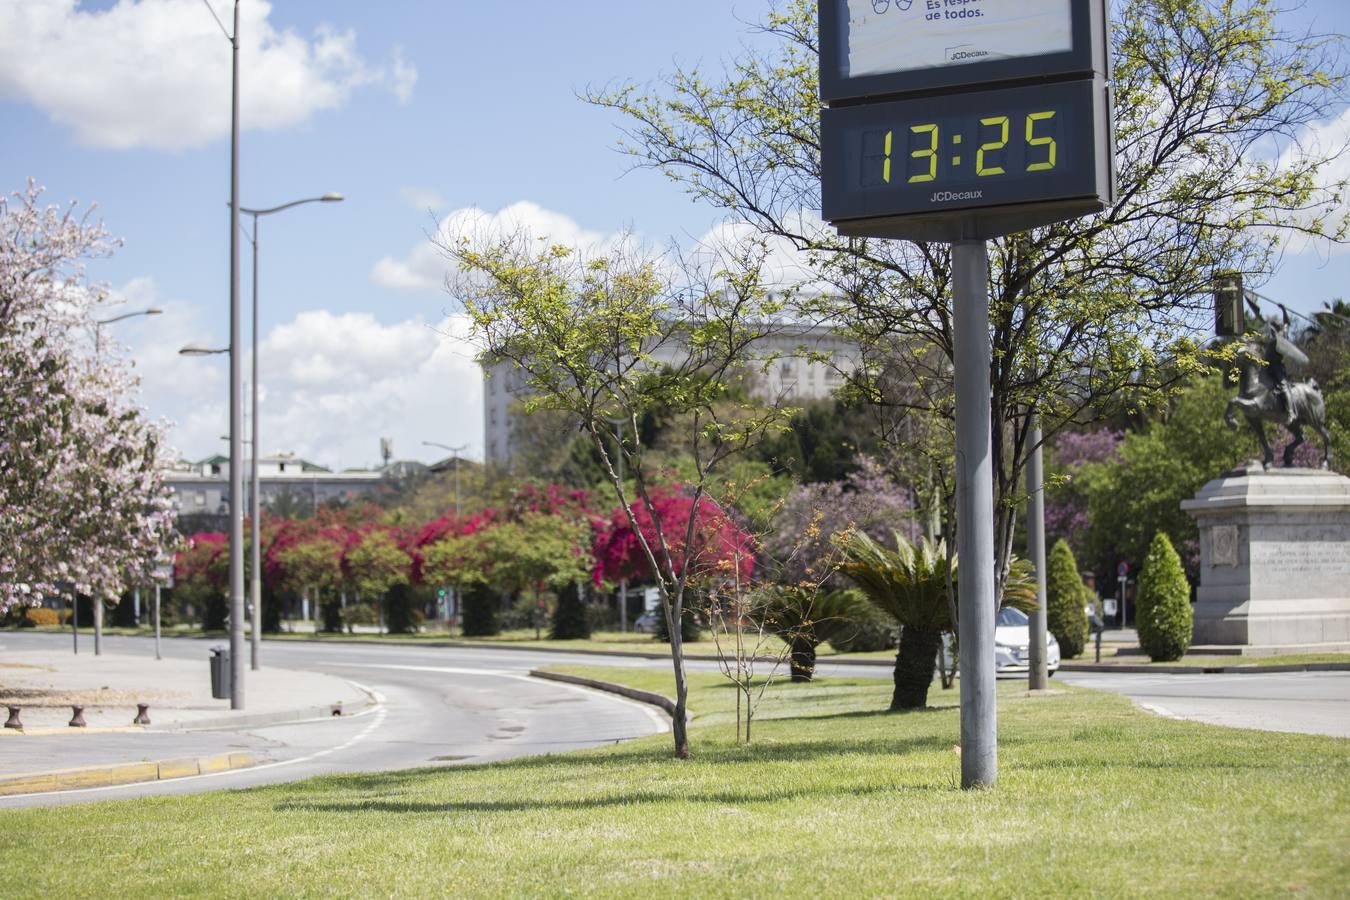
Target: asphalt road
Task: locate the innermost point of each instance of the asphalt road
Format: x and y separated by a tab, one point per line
439	707
1302	702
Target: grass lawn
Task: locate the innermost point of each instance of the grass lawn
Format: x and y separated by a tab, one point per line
834	798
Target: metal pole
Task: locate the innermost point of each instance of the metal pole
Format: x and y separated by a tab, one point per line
1039	678
98	626
255	580
236	400
157	656
975	514
75	619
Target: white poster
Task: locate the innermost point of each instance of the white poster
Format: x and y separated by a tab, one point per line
901	35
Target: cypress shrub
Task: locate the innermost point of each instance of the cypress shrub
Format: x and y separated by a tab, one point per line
569	616
479	612
1065	618
1163	603
398	610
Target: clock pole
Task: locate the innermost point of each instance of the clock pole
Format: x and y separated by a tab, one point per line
974	513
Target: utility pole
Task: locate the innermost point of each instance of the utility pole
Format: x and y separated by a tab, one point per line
1039	674
975	514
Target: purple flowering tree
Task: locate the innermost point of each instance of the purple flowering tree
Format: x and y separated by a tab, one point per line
1066	506
81	498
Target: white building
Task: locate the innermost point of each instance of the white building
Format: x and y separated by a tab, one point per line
809	362
204	486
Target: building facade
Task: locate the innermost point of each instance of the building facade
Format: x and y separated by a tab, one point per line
204	487
806	362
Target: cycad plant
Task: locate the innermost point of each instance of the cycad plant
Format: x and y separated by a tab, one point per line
806	617
910	584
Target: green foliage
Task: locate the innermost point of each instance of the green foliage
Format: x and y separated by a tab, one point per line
478	610
401	615
377	564
822	443
806	617
1140	493
1163	610
570	621
870	629
354	614
1064	597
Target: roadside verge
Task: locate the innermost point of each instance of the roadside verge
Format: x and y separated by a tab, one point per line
122	773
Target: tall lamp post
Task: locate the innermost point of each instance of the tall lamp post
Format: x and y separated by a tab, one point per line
255	577
98	351
455	451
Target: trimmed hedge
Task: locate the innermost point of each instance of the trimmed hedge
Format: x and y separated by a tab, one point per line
1163	603
1064	592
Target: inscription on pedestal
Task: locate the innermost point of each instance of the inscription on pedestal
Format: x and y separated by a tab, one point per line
1325	560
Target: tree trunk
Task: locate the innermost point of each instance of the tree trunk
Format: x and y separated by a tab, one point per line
914	667
802	658
679	721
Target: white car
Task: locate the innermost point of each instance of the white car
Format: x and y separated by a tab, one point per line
1012	641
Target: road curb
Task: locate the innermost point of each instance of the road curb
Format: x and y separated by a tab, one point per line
1140	668
661	701
122	773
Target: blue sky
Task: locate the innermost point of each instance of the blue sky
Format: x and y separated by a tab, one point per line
412	109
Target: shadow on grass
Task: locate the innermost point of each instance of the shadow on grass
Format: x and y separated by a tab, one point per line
738	797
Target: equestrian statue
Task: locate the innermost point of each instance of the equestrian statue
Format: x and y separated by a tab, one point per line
1267	395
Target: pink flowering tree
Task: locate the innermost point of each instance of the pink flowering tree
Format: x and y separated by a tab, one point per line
81	498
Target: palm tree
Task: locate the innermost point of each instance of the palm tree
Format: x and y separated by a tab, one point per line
910	583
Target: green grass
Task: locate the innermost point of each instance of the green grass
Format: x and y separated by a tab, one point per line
834	798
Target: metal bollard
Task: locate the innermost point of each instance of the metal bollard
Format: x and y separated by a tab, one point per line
141	717
13	720
77	720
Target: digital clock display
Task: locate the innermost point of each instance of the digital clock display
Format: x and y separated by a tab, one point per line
989	148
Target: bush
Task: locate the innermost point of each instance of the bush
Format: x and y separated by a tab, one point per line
569	616
1163	603
1064	597
868	629
400	614
37	615
478	613
359	614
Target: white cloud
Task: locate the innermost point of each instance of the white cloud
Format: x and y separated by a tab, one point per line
330	385
784	265
424	267
156	73
1323	139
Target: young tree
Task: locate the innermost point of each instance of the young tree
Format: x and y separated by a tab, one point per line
1212	104
81	497
1065	616
1163	616
377	564
608	337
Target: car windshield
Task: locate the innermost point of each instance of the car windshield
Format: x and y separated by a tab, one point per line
1011	616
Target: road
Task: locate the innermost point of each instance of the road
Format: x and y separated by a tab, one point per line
1302	702
440	706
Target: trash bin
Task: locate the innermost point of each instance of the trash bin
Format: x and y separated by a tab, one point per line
220	673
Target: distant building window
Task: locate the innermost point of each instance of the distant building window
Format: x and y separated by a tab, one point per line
215	468
200	498
283	467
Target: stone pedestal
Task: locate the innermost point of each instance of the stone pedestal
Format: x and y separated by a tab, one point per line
1274	558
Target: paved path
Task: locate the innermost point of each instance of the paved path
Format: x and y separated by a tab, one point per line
1302	702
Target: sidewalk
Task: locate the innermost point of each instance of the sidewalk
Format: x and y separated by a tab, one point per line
49	754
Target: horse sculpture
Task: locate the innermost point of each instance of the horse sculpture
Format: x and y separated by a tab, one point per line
1259	400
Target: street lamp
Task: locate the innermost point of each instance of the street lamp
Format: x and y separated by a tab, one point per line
455	451
98	351
255	579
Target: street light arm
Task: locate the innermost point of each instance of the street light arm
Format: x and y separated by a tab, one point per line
326	198
152	311
194	350
458	449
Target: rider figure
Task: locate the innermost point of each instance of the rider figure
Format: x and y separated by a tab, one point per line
1276	332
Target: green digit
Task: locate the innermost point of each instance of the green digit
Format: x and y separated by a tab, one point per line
886	166
980	167
1047	141
930	151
